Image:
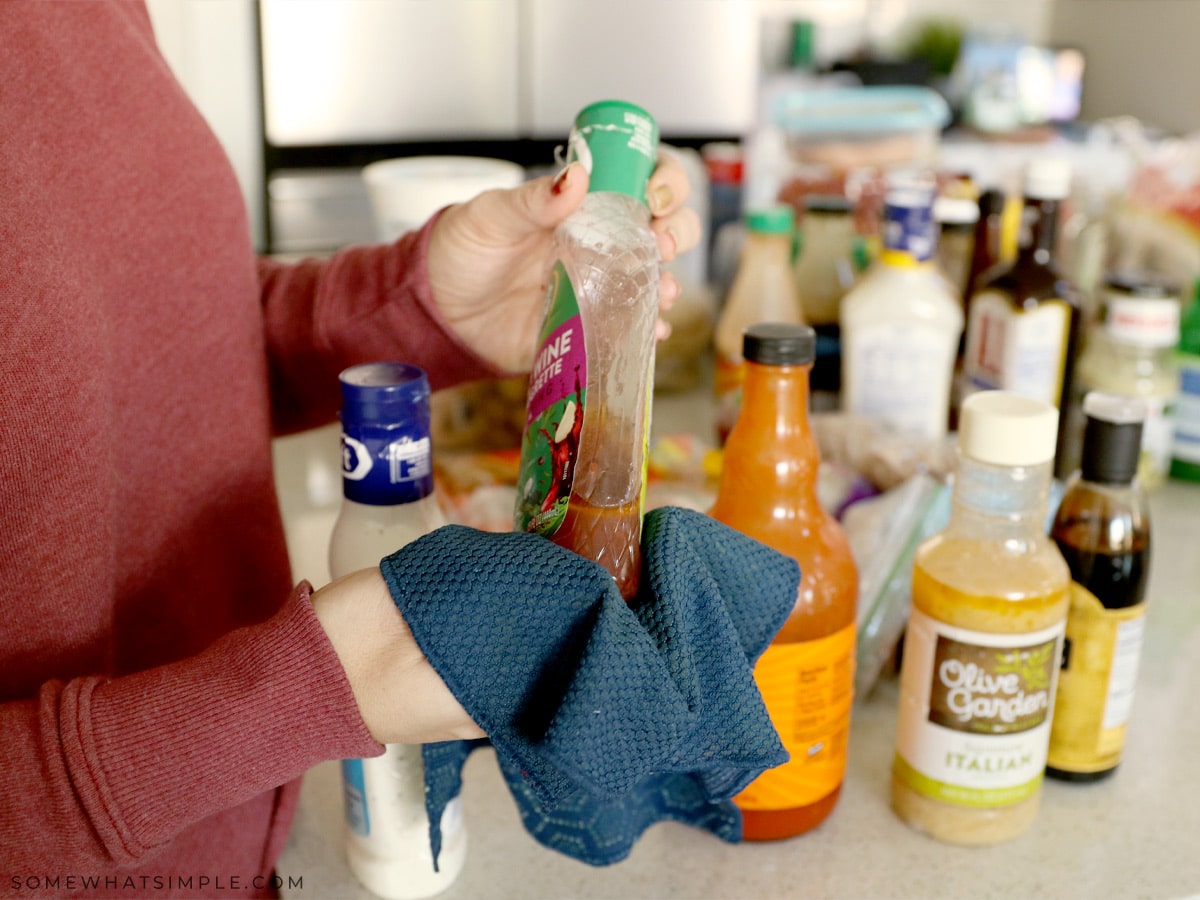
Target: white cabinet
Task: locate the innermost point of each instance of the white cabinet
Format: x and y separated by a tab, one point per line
378	71
692	63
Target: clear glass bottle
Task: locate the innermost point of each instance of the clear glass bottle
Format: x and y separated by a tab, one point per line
901	324
768	491
387	483
1132	353
1023	321
1102	529
984	639
584	450
763	290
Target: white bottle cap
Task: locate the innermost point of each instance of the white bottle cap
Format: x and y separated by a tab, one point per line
1007	429
1048	178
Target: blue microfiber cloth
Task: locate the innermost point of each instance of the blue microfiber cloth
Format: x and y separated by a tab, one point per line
606	717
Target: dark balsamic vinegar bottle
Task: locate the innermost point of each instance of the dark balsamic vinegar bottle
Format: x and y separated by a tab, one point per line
1102	529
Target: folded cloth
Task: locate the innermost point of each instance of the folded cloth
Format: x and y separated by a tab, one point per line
606	717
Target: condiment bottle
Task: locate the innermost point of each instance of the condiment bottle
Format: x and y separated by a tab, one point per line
1133	354
901	324
1185	441
584	449
1023	321
762	291
956	218
984	639
768	490
825	270
1102	528
387	483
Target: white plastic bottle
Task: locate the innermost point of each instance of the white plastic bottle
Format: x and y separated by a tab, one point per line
584	451
901	324
763	290
387	479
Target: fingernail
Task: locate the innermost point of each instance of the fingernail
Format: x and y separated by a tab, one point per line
560	180
660	198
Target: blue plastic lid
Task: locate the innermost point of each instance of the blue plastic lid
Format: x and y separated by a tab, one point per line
384	393
884	109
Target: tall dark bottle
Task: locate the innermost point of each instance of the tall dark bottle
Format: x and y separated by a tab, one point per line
1023	319
1102	529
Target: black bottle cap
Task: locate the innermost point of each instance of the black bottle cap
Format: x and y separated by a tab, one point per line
1112	438
779	344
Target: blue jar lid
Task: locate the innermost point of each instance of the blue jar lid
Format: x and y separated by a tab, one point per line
384	392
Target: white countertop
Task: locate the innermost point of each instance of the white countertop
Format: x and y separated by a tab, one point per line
1137	834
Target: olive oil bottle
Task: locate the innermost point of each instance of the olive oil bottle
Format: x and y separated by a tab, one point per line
1102	529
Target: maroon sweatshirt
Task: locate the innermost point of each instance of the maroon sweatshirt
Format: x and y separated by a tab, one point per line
162	685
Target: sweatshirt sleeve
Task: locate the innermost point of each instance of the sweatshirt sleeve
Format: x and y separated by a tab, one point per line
363	304
119	767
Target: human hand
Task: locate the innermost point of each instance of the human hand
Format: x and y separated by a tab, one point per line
489	258
400	696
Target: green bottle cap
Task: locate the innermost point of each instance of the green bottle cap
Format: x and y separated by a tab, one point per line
617	143
779	218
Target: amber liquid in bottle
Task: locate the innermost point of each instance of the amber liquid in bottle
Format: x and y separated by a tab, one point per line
768	491
608	534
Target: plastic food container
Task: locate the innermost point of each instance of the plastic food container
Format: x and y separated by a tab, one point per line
405	192
843	141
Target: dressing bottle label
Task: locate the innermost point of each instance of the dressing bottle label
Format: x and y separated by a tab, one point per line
554	412
900	374
1013	350
975	712
808	688
1095	687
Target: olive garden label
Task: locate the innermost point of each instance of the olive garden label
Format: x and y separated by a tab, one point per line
976	727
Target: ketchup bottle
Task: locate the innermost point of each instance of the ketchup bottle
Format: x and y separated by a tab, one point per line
768	491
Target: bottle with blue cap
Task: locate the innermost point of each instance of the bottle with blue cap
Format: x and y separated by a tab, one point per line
584	450
902	322
387	483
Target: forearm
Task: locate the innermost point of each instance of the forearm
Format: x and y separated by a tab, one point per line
108	770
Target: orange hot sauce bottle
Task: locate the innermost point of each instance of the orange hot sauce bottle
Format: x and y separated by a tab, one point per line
768	491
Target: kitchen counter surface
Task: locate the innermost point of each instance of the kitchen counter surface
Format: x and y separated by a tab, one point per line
1137	834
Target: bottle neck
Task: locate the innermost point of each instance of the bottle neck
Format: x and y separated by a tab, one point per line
771	439
1039	233
991	502
767	247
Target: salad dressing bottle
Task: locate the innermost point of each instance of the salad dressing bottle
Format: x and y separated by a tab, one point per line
1102	529
387	480
584	450
984	639
768	491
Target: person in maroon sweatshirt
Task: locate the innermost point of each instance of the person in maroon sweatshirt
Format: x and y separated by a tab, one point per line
163	684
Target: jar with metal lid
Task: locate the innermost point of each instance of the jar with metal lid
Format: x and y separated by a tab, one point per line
1132	353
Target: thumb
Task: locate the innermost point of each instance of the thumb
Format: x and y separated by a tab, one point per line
543	203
